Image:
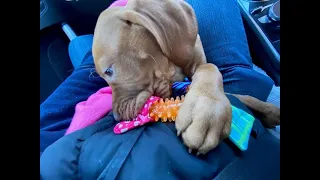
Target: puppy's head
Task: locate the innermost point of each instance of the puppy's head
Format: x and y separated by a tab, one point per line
137	47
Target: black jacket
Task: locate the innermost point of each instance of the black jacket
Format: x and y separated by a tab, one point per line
149	152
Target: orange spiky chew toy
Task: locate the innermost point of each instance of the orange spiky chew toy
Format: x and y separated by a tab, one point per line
154	109
166	110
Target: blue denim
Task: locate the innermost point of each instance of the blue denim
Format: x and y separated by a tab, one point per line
225	45
79	48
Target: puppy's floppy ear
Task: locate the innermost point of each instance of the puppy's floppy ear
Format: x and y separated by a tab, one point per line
171	22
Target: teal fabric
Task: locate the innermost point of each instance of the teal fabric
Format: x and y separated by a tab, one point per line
241	126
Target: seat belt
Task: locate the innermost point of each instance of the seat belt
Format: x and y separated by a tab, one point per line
261	161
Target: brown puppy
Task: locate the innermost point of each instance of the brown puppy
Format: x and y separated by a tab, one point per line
142	48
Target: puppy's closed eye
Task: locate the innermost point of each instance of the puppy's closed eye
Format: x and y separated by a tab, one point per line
108	71
129	23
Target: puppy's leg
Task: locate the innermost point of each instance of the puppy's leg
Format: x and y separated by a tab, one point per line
204	119
268	113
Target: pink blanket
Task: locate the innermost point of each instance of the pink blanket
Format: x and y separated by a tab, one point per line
90	111
99	104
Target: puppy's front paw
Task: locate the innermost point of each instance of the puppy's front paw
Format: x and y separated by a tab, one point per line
203	121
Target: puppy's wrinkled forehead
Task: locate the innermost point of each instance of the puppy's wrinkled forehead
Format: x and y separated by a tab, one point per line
116	40
107	38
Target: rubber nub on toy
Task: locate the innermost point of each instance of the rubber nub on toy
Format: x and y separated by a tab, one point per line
166	110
